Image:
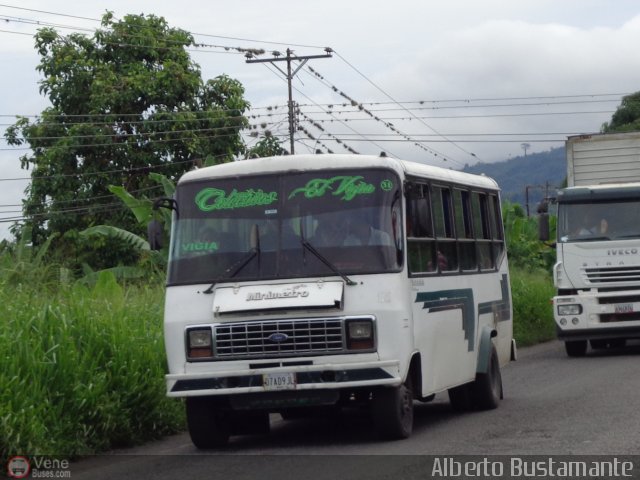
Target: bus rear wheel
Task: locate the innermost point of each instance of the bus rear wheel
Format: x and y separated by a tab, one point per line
208	426
486	390
393	411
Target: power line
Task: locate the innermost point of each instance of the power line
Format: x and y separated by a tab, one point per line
395	101
362	109
90	174
499	99
192	33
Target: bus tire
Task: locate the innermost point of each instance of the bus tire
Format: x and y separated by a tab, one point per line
208	427
393	411
486	390
576	348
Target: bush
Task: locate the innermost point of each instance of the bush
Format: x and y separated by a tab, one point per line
532	291
82	368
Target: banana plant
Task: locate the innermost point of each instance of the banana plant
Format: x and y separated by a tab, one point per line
142	209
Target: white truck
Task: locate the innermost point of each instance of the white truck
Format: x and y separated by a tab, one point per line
597	273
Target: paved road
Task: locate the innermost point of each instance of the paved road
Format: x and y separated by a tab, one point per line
554	405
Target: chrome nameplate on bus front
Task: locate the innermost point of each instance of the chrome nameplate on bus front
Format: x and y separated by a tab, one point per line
233	299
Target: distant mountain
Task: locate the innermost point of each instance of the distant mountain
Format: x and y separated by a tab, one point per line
535	170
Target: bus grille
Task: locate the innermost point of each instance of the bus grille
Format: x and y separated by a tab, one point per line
279	338
612	274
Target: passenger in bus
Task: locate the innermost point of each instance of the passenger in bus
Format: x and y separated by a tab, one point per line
361	232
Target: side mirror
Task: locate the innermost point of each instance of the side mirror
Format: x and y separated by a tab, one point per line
154	234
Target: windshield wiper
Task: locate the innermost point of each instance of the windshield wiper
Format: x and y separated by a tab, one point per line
322	258
234	269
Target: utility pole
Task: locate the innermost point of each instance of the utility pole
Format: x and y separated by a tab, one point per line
289	74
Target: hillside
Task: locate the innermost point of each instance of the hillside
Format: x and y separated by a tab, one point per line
535	170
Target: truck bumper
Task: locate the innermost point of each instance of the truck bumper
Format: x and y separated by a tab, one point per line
307	377
602	315
600	333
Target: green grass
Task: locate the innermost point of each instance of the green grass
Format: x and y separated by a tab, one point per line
82	369
532	313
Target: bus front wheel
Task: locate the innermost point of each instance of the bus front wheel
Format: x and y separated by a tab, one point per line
393	411
208	426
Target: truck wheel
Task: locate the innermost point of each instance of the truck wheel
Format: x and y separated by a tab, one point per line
486	390
393	411
208	427
576	348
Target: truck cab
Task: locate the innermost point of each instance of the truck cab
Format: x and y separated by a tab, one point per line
597	273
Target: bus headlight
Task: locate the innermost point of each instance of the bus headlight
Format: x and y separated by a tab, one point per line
572	309
360	335
199	343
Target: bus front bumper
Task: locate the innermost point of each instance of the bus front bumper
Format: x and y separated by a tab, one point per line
289	378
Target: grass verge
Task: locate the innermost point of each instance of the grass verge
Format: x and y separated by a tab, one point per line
82	369
532	313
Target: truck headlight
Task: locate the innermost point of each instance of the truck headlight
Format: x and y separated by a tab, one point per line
360	335
199	343
571	309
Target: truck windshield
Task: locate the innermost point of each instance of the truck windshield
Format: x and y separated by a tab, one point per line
588	222
348	216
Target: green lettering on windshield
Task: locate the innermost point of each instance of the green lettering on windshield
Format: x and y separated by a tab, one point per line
347	186
209	199
200	247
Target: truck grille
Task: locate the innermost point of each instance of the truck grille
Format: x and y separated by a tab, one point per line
279	338
602	275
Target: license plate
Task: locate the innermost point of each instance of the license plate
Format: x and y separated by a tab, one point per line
623	308
279	381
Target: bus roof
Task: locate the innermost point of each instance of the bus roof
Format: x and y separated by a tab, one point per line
297	163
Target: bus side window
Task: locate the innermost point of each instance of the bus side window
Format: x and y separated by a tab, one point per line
482	230
420	239
464	229
497	234
447	249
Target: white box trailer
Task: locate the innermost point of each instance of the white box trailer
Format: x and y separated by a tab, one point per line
597	273
603	158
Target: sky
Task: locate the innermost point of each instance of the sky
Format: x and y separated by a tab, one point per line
446	83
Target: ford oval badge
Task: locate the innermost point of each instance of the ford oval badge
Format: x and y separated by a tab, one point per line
278	337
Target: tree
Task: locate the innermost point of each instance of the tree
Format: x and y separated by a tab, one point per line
267	146
626	118
125	102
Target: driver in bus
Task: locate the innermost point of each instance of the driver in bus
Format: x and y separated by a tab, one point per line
361	232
